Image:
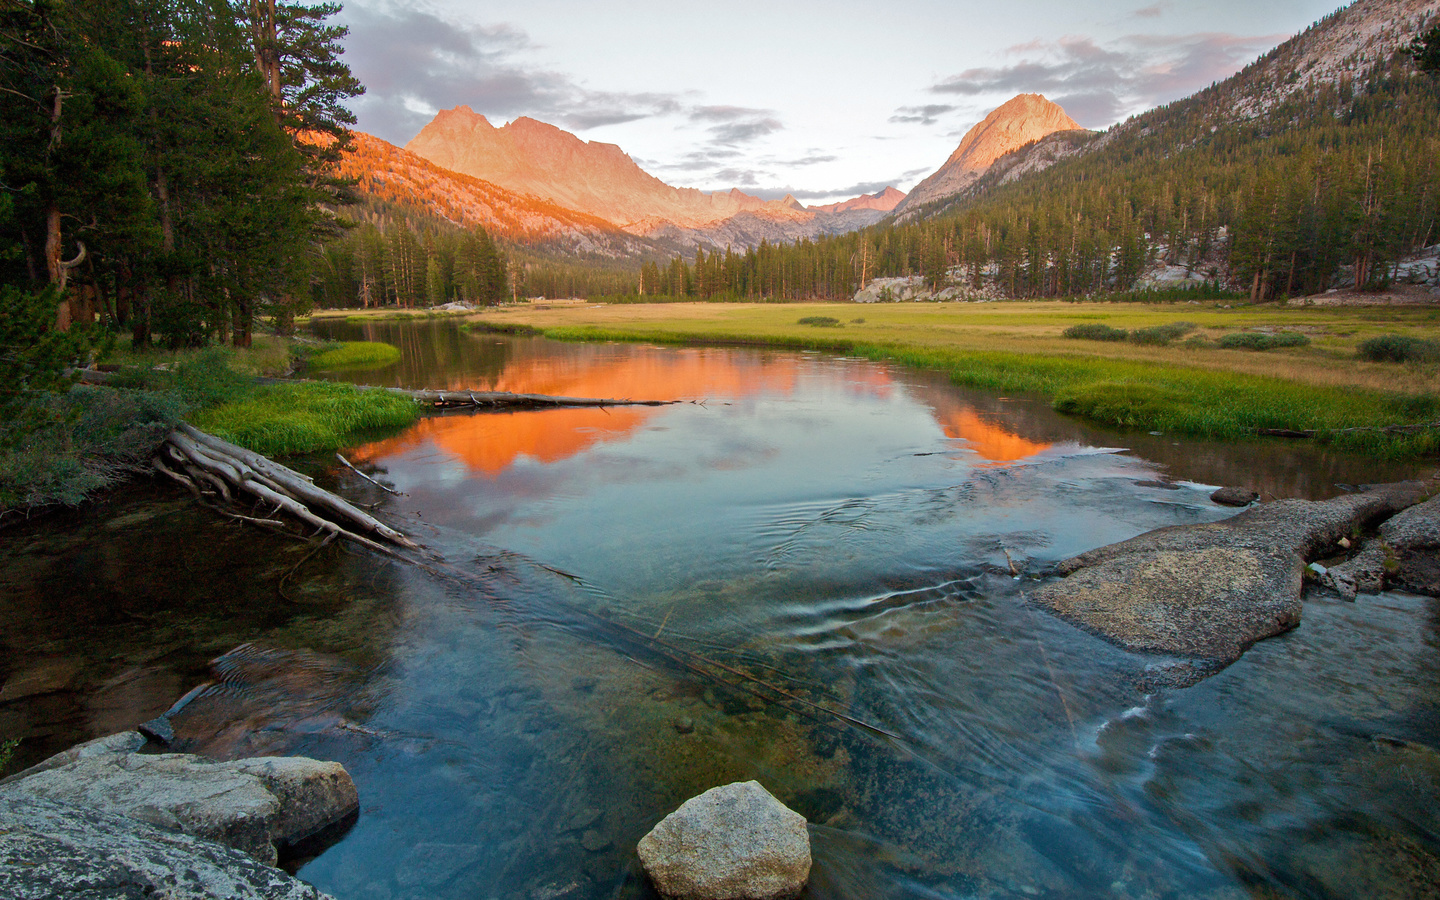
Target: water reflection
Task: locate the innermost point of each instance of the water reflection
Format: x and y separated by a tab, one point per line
805	580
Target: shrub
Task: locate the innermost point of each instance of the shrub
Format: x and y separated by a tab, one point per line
357	355
1398	348
1095	331
94	437
1255	340
1160	335
820	321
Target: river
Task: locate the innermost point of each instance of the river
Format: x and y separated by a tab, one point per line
801	574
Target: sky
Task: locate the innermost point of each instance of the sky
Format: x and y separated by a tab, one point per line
823	100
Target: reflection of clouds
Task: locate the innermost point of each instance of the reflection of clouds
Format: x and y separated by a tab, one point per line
992	442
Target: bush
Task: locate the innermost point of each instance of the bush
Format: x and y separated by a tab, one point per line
1398	348
356	355
820	321
1255	340
1160	335
1094	331
95	436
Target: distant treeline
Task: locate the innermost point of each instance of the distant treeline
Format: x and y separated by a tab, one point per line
393	260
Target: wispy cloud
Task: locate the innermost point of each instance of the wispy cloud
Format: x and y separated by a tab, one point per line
1099	85
928	114
732	125
1154	10
414	63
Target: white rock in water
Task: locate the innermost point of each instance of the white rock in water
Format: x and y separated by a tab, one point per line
735	842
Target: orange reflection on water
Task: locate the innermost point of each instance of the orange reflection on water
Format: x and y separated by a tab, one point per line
490	443
990	441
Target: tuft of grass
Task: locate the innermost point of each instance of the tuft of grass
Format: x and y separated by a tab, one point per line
356	355
1398	348
1254	340
819	321
282	419
1095	331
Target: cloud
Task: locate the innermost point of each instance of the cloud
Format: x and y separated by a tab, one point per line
924	115
1103	84
414	63
733	125
1154	10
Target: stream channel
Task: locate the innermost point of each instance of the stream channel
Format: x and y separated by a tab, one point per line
803	577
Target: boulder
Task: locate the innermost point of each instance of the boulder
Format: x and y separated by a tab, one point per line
735	842
252	805
1210	591
54	851
1406	554
1234	496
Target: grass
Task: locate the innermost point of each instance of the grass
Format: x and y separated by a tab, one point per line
355	355
281	419
1194	387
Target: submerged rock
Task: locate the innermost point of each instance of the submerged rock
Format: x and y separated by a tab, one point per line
735	842
1406	554
1234	496
253	805
55	851
1210	591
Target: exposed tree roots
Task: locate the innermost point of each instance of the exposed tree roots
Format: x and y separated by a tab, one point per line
203	463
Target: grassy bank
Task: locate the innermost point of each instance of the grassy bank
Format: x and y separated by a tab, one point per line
1195	386
91	436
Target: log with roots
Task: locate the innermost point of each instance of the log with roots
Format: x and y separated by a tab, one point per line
202	462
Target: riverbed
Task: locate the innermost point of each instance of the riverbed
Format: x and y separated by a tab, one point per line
811	571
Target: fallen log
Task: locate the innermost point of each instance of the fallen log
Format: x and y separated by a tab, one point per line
506	400
199	461
1378	429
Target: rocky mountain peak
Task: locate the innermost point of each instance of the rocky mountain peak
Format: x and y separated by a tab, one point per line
1015	123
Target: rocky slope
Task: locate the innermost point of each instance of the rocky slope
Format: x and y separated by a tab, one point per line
1020	121
1339	48
390	175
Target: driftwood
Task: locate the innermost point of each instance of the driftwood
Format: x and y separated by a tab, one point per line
1313	432
201	461
505	400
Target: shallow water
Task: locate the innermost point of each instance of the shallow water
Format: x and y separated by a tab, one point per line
804	578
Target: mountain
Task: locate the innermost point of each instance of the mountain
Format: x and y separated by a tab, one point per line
1313	169
386	175
539	160
545	164
1019	121
884	201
